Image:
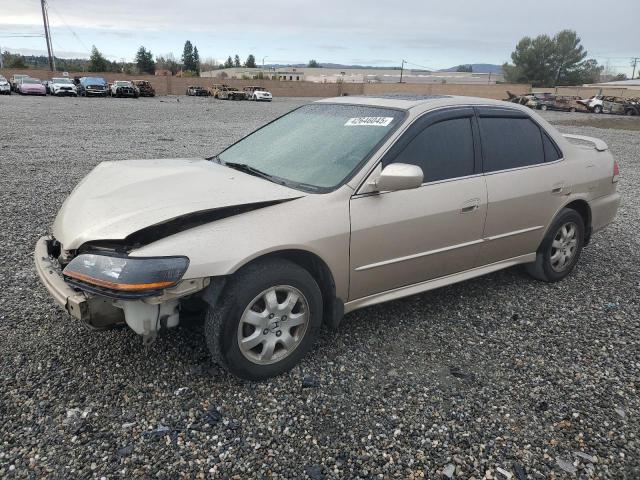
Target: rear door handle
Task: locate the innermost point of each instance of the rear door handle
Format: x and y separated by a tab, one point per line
470	206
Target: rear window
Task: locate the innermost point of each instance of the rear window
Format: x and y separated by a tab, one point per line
551	152
510	143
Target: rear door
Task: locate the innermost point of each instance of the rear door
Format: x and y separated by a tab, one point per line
527	182
405	237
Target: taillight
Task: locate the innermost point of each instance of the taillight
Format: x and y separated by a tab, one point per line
616	172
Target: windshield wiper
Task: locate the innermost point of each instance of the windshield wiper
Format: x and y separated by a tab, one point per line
243	167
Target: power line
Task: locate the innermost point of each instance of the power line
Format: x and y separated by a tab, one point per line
87	49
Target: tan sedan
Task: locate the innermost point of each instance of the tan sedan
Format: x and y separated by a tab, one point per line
338	205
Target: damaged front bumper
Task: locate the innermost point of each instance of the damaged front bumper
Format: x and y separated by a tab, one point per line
145	316
73	301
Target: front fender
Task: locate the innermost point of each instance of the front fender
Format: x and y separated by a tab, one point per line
318	224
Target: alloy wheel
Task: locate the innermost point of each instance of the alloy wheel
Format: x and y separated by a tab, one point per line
564	246
273	325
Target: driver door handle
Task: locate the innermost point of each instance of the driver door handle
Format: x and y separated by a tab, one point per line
470	206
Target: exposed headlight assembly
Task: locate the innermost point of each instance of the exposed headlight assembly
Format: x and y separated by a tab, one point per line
127	274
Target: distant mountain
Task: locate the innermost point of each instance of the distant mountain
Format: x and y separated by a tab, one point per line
478	68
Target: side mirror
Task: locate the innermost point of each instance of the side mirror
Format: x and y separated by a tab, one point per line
398	176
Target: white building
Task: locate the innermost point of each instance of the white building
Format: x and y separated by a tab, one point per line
355	75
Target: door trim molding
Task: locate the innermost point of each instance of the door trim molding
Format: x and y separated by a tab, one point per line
445	249
515	232
435	283
417	255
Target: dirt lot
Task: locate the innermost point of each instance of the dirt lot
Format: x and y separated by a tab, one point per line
501	372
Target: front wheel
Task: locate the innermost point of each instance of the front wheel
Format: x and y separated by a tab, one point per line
597	109
560	248
268	317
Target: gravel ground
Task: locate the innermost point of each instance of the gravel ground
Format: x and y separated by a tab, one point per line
498	373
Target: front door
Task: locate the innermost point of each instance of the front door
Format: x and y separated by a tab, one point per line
406	237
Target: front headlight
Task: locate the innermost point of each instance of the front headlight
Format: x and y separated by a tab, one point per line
127	274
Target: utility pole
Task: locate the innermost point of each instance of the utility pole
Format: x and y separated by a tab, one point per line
401	70
635	61
47	36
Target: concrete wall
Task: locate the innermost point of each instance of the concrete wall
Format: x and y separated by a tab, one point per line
178	86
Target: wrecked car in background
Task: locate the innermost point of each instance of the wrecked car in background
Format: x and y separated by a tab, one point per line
123	88
563	103
91	86
62	86
338	205
620	106
197	91
31	86
145	88
5	86
257	94
225	92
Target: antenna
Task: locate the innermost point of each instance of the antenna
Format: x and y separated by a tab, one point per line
47	36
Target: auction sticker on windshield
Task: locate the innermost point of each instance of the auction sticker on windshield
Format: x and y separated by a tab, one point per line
369	121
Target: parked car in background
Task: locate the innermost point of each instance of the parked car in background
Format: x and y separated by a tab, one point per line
593	104
62	86
145	88
91	86
257	93
15	79
31	86
197	91
123	88
389	198
564	103
225	92
5	86
620	106
539	100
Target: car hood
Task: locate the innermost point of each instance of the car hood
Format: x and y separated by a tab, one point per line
118	199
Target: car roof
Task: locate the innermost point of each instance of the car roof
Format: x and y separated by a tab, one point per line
419	102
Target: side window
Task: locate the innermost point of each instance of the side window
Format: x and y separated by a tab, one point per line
443	150
551	152
510	143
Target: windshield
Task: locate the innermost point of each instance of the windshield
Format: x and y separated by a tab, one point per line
122	83
61	80
316	146
30	80
93	81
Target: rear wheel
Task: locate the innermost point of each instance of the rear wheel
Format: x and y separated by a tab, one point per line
560	248
597	109
543	107
268	317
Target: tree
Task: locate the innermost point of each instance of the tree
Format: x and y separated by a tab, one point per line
464	68
236	61
144	61
544	61
196	60
228	63
12	60
313	64
251	62
187	57
167	62
97	62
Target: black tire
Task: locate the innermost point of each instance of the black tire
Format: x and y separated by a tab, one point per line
542	268
222	320
597	109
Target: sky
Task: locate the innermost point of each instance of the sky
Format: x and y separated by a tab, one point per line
425	33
